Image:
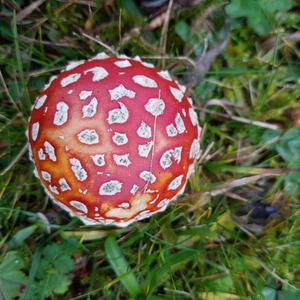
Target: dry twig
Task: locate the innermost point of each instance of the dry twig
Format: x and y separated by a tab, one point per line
224	188
28	10
241	119
164	31
98	41
15	160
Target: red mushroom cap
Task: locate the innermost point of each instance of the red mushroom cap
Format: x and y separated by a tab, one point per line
113	139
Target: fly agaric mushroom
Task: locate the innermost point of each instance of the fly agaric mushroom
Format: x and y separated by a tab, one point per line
113	139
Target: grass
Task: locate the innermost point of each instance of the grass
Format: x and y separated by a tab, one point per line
235	232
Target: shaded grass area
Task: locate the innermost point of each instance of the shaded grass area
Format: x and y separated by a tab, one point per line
235	232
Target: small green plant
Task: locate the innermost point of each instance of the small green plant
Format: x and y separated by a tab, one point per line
288	148
12	277
51	266
40	277
260	14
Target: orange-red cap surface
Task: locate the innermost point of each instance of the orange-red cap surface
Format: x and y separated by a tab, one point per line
113	139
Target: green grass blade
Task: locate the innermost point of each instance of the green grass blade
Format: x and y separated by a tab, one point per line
22	81
21	236
160	273
32	273
121	267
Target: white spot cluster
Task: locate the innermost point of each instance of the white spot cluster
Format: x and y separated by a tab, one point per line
84	192
165	74
191	170
84	94
137	58
134	189
144	131
124	205
150	191
35	130
195	149
100	56
179	124
143	214
144	81
70	79
155	106
177	154
61	114
122	160
180	127
41	154
181	87
178	94
145	149
98	160
120	91
46	176
171	130
120	138
123	63
63	185
175	183
89	110
110	188
79	172
50	150
123	56
163	203
53	189
73	64
79	206
88	137
40	101
146	64
166	159
193	116
99	73
147	176
35	172
118	115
